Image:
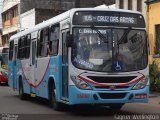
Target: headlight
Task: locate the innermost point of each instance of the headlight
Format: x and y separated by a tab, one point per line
141	84
80	83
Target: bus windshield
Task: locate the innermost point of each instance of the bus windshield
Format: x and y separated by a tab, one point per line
116	53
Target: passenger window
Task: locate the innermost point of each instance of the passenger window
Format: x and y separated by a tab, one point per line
43	43
21	48
28	42
11	50
54	39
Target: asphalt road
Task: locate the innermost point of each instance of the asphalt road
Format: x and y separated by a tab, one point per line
37	109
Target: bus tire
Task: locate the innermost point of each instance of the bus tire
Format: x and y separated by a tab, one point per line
22	95
52	99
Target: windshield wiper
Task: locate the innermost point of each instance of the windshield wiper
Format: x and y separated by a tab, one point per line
124	36
121	40
105	40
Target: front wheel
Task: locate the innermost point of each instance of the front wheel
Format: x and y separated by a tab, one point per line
22	95
52	101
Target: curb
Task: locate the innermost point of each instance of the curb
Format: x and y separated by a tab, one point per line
151	96
154	95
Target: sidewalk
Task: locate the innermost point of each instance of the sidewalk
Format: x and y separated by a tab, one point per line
154	98
154	94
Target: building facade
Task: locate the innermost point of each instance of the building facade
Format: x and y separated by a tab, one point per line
10	19
154	30
136	5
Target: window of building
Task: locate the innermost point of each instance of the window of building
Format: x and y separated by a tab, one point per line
139	5
3	18
129	4
11	12
11	50
121	4
15	12
157	29
7	16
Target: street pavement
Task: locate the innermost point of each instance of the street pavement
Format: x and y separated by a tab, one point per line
38	109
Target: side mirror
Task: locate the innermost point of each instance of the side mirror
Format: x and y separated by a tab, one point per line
69	40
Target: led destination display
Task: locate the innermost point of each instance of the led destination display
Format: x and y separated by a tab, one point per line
109	18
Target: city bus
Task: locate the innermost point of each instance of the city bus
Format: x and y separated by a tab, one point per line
83	56
4	64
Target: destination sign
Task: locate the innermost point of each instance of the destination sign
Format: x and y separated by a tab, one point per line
108	18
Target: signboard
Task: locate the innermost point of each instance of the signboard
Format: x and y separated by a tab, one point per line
109	18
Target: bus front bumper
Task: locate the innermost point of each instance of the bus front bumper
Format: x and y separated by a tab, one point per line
78	96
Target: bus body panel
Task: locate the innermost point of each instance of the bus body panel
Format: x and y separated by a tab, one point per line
53	72
43	73
78	96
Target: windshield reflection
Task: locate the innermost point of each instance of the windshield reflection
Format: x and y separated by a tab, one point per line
92	52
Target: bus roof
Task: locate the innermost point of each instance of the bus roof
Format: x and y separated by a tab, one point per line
64	16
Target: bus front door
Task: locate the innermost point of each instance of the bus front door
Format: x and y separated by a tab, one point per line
32	65
64	66
15	67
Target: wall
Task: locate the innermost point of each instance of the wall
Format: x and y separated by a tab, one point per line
27	19
44	14
35	16
46	4
134	5
154	18
9	3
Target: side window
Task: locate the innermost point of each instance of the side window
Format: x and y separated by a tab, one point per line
21	48
27	45
54	39
43	43
38	43
11	44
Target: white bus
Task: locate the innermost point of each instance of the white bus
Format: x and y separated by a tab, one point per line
83	56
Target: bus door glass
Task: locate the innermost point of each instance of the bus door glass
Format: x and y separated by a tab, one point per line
32	62
64	66
15	66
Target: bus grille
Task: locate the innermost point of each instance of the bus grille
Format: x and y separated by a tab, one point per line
122	79
112	95
108	87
